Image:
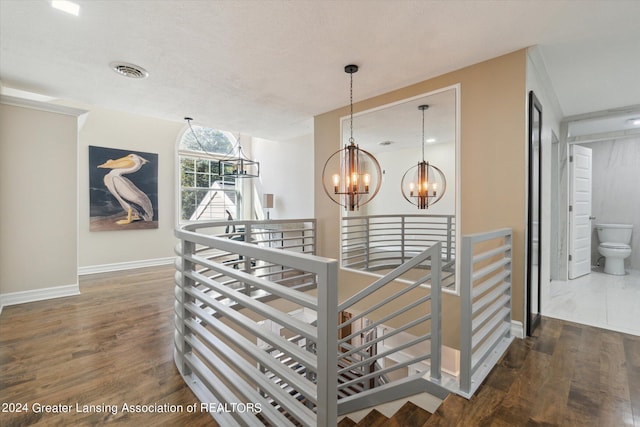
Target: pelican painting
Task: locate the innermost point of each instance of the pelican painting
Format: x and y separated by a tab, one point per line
131	198
126	187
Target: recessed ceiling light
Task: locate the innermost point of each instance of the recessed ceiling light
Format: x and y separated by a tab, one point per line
66	6
430	140
634	121
129	70
385	143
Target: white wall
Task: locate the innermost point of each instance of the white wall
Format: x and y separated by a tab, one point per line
44	194
38	203
538	81
395	163
119	249
616	191
286	171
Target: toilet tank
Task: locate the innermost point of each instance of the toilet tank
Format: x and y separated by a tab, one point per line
614	233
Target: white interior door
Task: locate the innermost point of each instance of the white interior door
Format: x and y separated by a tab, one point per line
579	211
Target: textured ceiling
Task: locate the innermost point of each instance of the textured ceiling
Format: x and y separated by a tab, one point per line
265	68
399	126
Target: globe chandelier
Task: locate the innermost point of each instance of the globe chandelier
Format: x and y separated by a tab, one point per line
351	177
423	185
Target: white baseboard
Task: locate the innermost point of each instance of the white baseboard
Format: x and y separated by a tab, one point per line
517	329
129	265
21	297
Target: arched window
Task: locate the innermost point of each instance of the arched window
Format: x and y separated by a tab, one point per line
204	193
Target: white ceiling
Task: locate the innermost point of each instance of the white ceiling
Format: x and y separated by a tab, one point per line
400	125
265	68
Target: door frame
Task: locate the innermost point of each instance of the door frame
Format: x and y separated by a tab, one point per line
534	211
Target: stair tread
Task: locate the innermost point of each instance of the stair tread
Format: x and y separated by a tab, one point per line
346	422
409	415
373	419
451	409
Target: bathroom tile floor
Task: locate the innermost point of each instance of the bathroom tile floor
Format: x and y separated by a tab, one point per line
596	299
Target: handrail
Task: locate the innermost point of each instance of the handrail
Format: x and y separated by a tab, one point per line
391	276
485	296
275	233
381	242
223	285
311	368
405	301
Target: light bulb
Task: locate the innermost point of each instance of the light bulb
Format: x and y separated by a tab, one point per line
336	183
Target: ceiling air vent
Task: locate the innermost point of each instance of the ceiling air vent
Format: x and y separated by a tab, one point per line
129	70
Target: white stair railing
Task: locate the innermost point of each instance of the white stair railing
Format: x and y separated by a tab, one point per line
413	307
382	242
485	294
223	287
233	277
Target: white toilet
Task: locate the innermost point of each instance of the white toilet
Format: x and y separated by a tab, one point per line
615	246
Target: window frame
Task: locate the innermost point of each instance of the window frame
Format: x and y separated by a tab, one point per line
232	185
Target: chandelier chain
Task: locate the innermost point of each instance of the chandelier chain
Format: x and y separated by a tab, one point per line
351	109
423	135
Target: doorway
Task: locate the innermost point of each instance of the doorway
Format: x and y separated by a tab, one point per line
596	299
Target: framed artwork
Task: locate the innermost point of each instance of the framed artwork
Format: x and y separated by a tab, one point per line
123	189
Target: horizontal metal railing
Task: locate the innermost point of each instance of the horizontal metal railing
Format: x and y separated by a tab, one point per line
383	242
485	297
291	235
235	277
377	377
227	273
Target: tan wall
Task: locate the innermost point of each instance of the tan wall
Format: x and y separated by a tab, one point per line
38	199
493	172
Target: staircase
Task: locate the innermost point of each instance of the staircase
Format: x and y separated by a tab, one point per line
409	415
226	352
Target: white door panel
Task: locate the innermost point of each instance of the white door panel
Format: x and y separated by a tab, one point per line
580	212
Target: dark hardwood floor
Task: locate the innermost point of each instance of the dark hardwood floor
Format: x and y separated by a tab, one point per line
110	345
566	375
113	345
